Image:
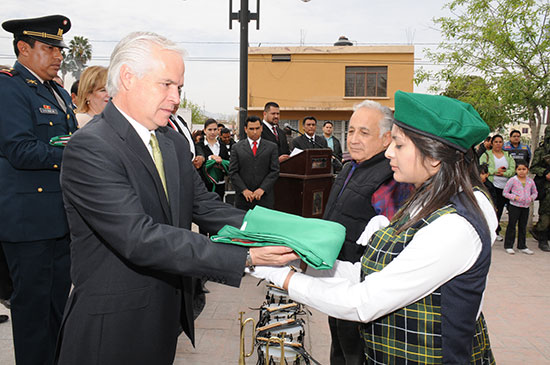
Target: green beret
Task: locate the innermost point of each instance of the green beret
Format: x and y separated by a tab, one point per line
447	120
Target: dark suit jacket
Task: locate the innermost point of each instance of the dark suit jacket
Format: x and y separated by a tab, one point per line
133	253
252	172
30	115
282	143
303	143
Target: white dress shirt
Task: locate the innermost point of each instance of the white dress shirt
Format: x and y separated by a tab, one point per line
251	142
143	133
445	248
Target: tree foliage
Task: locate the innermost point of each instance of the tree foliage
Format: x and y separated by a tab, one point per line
79	53
197	114
507	44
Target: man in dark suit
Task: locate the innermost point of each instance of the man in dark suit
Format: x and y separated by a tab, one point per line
334	144
34	234
226	140
254	168
131	193
309	140
272	132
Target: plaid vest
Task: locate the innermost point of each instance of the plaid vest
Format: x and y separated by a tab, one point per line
440	328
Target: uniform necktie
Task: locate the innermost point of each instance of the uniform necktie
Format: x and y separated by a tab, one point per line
157	158
275	132
254	147
57	97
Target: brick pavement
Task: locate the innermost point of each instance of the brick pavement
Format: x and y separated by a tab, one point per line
517	311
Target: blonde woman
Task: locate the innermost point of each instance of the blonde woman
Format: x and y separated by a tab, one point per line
92	95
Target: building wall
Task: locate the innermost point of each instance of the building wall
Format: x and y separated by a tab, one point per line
313	81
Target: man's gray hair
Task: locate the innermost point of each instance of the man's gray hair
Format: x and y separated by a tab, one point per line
135	50
387	120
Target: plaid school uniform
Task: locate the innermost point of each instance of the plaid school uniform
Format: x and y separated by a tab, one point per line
441	327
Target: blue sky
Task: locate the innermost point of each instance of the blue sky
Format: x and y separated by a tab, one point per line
202	28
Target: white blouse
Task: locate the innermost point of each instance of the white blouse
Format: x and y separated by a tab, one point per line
445	248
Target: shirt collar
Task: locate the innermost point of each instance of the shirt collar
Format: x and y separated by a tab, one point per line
33	73
250	142
143	133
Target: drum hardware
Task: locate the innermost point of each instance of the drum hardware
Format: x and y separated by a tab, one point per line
243	354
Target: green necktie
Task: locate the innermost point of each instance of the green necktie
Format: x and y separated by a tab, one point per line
157	158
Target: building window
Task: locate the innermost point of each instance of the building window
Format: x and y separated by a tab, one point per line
366	81
524	130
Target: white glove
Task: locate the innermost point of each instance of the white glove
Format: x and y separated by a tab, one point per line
275	274
376	223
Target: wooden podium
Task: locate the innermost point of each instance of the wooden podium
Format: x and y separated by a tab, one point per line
304	183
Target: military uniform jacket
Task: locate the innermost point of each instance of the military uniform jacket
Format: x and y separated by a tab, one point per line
32	207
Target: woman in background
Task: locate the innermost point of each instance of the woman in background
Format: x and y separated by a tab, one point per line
92	95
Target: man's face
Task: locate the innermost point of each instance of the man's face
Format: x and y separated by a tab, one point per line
309	127
515	138
327	129
152	98
272	116
364	139
253	130
42	59
225	138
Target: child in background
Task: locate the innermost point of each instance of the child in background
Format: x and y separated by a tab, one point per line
484	174
521	191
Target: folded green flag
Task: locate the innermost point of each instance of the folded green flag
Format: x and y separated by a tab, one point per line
215	171
316	241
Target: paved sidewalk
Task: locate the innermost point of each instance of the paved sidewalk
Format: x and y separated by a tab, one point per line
517	310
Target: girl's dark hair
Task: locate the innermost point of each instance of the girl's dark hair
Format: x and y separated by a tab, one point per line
210	121
457	173
495	137
483	168
522	162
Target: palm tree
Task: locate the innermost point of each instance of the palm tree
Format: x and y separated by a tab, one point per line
80	52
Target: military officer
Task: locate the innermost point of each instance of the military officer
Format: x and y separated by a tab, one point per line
541	168
34	233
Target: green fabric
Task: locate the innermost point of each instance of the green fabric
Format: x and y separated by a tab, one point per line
316	241
60	141
215	172
448	120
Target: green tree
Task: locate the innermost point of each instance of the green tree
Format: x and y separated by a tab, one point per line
79	53
197	114
474	90
507	44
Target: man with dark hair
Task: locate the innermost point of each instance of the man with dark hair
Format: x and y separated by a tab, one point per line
517	150
272	132
74	91
35	234
226	140
309	140
334	144
254	168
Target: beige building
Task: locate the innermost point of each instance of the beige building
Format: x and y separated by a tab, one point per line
326	82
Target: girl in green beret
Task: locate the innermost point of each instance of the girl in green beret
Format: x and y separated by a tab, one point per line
418	289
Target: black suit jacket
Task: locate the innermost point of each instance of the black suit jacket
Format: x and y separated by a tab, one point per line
134	257
282	143
303	143
252	172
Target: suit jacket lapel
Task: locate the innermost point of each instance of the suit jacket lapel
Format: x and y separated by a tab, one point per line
261	148
171	172
135	144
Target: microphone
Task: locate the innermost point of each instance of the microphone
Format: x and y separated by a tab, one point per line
287	126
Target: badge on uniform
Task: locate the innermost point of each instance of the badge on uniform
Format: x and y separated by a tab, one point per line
46	109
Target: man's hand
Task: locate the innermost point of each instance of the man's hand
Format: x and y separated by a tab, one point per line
272	255
548	176
258	193
198	161
283	158
248	195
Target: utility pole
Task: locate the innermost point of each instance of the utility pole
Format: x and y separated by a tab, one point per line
244	16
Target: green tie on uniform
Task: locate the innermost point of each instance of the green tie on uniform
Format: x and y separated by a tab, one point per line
157	158
316	241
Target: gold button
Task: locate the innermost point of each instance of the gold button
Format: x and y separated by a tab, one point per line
70	133
68	116
51	123
40	190
55	166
